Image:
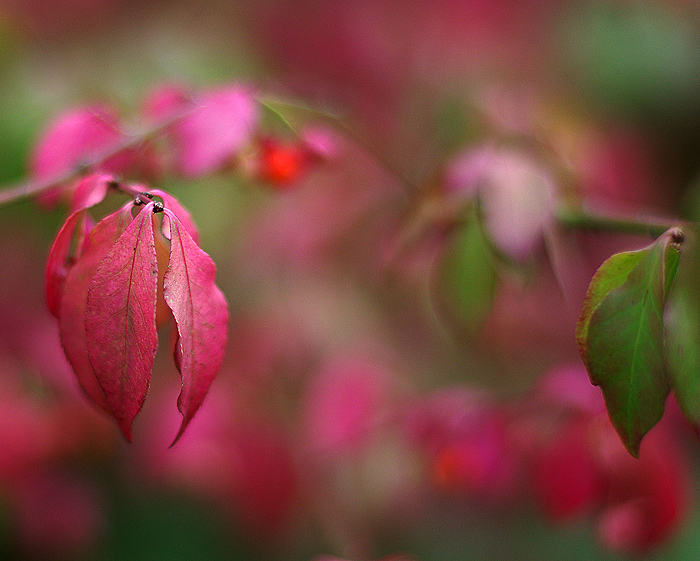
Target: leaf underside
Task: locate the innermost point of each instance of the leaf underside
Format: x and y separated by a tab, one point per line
64	252
74	301
683	335
181	212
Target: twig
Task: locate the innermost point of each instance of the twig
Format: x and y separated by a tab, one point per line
341	125
29	188
587	220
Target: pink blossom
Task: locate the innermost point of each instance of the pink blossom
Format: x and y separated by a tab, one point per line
580	467
466	440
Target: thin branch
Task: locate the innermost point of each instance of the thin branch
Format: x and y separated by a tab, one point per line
340	125
29	188
587	220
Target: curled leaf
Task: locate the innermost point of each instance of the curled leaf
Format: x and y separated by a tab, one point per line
180	211
609	276
90	190
74	300
65	251
120	319
201	313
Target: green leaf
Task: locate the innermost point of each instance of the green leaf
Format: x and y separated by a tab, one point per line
609	276
464	280
621	335
683	335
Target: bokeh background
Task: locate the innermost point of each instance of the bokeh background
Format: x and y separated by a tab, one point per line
369	405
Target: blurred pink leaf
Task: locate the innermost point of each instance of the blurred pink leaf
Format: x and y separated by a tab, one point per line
74	300
201	313
90	190
66	249
567	481
516	193
648	500
120	319
212	136
74	138
344	405
321	143
165	101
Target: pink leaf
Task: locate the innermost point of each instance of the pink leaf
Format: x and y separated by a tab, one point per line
201	313
212	136
74	300
165	101
65	251
181	212
74	138
120	319
90	190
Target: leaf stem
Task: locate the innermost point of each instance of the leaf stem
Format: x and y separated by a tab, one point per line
587	220
129	190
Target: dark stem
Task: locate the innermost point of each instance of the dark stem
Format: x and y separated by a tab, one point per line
585	220
138	196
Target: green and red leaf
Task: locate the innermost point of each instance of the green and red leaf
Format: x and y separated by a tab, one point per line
620	335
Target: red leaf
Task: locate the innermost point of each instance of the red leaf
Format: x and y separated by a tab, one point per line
74	300
120	319
65	251
201	313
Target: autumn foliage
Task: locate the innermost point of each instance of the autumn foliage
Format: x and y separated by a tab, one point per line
412	296
109	282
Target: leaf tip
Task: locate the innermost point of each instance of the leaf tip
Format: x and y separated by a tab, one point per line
633	447
126	430
179	434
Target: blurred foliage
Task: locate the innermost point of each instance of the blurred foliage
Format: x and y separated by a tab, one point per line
595	67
